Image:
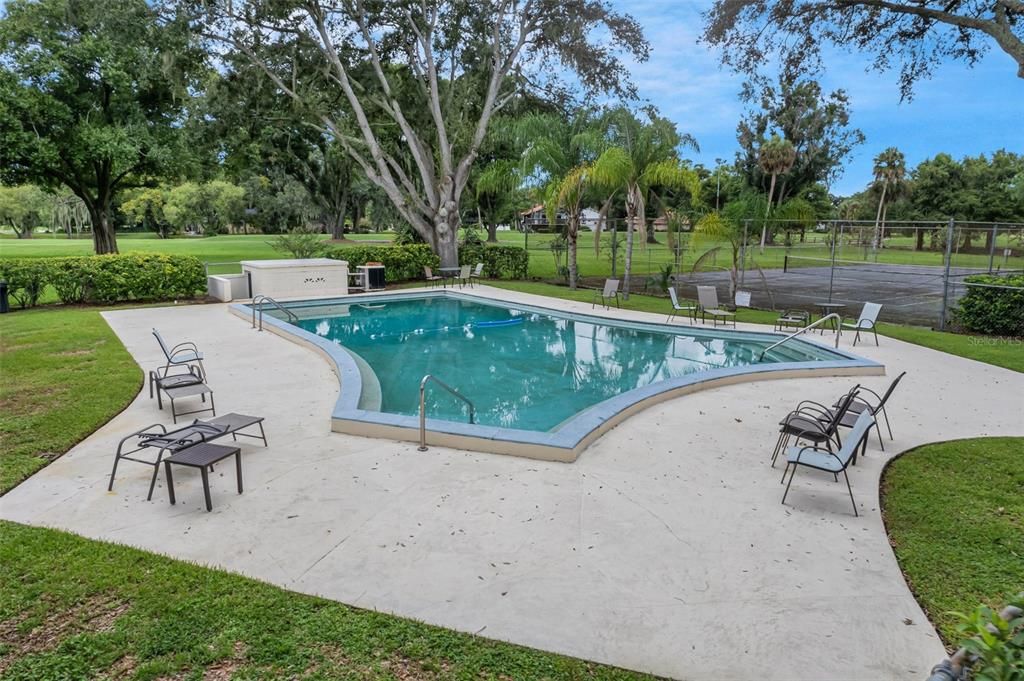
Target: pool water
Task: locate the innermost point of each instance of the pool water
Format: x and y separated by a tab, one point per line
522	369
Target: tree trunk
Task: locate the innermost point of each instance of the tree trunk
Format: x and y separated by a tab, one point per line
572	238
919	245
23	233
767	212
492	233
631	204
104	239
446	225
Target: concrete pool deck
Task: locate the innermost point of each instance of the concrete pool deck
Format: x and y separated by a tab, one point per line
663	548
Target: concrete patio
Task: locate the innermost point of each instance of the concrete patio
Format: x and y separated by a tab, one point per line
664	548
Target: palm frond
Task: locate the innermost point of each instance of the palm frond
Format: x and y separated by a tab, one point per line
710	253
613	169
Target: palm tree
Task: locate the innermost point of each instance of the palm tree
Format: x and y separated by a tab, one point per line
557	151
643	156
775	157
890	170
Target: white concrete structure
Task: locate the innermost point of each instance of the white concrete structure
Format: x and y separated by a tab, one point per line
664	548
228	287
297	277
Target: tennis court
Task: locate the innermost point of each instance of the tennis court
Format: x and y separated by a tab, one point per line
909	294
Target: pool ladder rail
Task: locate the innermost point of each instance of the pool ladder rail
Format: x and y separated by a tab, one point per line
835	316
423	406
258	303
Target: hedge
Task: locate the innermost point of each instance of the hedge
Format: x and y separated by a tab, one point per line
105	278
406	263
997	311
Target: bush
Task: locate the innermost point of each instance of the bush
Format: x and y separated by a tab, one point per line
997	645
997	311
299	243
500	262
401	263
406	263
106	278
25	279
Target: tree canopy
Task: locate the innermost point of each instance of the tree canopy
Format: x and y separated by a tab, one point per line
92	97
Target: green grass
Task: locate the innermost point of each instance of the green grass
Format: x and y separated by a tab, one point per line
65	373
1003	352
85	609
955	514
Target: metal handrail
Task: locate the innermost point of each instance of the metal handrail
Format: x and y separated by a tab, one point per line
260	300
804	330
423	406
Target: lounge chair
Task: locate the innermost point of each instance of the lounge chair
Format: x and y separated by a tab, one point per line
609	292
689	310
866	322
790	319
464	277
814	422
432	279
707	299
185	353
478	271
165	441
874	407
177	386
828	461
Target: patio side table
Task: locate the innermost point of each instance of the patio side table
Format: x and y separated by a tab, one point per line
448	274
826	310
203	456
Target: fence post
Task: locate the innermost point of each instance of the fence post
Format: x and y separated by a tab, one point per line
992	248
743	252
832	266
945	275
615	247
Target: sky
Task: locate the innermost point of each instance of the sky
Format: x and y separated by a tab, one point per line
961	111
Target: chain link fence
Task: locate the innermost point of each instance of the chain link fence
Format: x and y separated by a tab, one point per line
917	270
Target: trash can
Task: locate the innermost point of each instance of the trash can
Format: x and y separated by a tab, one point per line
5	306
373	275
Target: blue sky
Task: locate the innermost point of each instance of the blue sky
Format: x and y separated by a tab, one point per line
960	110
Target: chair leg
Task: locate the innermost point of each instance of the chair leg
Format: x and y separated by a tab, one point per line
886	415
850	490
876	336
156	472
784	471
879	432
791	476
856	337
113	472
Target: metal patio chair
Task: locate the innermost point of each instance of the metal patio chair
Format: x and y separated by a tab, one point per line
828	461
707	299
814	422
156	436
478	272
431	278
464	276
867	321
185	353
689	309
609	292
875	407
790	319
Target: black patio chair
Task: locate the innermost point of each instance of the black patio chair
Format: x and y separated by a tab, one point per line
185	353
815	423
874	407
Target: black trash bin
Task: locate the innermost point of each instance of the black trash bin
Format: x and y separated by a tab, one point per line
5	306
374	276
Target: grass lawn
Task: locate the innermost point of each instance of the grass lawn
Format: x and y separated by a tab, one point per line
955	515
73	608
65	374
1004	352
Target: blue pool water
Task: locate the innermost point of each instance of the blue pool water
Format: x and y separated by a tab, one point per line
522	369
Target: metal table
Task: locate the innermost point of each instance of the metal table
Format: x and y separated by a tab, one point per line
202	456
447	273
826	310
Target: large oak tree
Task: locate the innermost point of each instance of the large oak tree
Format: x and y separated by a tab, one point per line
92	96
412	85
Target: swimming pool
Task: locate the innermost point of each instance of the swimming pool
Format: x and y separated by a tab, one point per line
537	377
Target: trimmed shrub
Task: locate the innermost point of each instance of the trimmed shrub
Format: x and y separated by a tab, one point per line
401	263
500	262
105	278
406	263
997	311
26	279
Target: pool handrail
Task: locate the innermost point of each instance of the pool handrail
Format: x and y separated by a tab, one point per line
260	300
803	330
423	407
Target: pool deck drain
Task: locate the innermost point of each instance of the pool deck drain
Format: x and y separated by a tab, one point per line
663	548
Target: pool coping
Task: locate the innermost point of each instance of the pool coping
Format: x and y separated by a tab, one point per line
577	432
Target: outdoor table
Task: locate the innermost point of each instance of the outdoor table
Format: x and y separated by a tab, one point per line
202	456
826	310
448	273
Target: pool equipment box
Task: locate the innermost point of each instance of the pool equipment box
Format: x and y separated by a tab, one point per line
297	277
373	276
